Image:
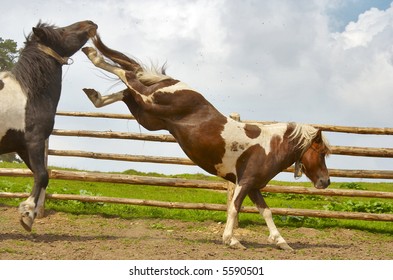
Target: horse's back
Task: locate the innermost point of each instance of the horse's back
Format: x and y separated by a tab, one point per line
12	104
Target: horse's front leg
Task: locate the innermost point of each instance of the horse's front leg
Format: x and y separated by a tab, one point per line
233	212
100	101
34	205
274	235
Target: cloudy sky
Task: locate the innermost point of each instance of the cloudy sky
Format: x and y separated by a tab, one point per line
328	62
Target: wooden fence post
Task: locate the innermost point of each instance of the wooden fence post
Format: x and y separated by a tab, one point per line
235	116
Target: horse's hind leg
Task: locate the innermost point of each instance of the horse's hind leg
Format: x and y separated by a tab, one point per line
100	101
34	205
98	60
274	236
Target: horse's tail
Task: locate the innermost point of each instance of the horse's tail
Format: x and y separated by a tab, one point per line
124	61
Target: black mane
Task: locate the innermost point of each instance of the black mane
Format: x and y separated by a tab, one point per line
48	29
33	67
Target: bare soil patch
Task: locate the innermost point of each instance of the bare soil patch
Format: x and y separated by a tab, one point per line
84	237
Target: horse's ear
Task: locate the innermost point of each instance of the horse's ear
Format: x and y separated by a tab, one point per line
39	32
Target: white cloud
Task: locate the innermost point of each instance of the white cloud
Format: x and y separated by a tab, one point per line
362	58
369	24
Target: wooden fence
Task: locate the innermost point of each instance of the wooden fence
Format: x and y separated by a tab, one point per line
184	183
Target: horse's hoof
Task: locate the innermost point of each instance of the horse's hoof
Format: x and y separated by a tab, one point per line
237	245
284	246
87	50
90	92
27	222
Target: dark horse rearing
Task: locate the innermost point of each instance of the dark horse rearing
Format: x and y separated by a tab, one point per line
29	95
249	155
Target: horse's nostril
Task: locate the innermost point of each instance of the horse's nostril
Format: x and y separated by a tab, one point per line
323	183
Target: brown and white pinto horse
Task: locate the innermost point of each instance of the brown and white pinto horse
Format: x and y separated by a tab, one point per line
249	155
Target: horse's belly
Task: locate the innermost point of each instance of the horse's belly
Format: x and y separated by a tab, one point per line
12	104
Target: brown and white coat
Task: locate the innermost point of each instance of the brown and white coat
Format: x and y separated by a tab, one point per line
249	155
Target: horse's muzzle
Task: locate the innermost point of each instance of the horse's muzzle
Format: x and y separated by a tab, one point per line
322	183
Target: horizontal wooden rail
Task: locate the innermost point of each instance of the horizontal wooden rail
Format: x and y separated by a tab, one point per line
115	135
186	183
352	151
338	150
214	207
326	192
362	152
341	129
96	115
330	128
346	173
351	173
118	178
121	157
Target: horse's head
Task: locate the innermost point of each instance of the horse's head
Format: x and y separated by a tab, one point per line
312	162
65	41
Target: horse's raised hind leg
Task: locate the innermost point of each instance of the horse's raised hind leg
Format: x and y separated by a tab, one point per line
33	206
233	212
100	101
274	236
99	61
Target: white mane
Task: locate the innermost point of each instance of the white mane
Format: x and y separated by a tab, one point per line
152	75
306	134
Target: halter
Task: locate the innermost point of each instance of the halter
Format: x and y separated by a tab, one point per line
298	169
299	165
55	55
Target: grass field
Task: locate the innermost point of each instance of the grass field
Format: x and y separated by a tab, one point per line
19	184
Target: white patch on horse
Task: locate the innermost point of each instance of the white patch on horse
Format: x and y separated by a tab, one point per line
12	104
176	87
170	89
236	142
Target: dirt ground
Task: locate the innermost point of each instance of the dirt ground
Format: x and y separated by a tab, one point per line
68	237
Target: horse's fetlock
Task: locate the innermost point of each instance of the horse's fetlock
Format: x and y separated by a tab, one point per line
226	238
274	238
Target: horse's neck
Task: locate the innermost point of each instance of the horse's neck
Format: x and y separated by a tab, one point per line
39	75
295	152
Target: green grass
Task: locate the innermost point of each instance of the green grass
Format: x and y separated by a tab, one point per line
20	184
